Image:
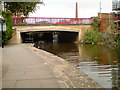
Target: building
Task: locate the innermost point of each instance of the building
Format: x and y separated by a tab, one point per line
115	15
104	18
116	11
116	5
2	5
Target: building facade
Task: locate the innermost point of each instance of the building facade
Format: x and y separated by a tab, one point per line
104	18
116	10
115	4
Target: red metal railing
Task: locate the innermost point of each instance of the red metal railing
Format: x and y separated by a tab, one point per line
116	18
44	20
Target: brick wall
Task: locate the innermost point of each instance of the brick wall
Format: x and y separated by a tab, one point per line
103	25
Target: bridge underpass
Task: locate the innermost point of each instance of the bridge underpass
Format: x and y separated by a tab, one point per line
67	29
49	36
77	30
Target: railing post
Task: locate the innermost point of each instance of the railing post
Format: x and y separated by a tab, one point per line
22	20
18	20
15	21
35	21
90	21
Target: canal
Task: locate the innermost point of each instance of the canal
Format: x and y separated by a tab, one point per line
97	61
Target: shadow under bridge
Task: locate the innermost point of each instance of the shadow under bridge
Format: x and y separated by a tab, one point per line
49	36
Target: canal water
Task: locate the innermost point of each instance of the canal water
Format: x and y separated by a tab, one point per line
97	61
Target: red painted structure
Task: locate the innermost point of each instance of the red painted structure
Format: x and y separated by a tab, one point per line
116	19
76	10
48	20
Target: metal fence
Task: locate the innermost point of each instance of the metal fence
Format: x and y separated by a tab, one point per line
44	20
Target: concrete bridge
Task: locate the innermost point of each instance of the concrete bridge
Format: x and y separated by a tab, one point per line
69	25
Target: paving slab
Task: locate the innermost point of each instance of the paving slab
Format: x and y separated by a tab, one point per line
37	83
23	69
8	83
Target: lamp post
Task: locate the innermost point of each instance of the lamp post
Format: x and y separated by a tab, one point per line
1	24
2	29
100	10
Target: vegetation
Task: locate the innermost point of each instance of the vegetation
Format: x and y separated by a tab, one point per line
0	12
111	36
7	19
96	24
15	8
93	36
21	7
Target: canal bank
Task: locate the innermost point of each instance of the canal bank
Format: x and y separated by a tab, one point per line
67	74
97	61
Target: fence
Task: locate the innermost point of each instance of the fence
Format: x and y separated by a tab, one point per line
43	20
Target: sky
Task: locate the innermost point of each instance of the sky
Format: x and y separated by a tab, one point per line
67	8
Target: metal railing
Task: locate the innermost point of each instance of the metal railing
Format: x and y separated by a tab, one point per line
44	20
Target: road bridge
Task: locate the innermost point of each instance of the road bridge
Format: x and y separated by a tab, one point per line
40	24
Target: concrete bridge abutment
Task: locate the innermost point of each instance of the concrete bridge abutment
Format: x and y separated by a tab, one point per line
19	39
81	34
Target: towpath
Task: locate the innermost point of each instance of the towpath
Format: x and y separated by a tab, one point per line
23	69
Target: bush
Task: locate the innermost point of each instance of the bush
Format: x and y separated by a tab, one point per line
7	19
117	39
92	36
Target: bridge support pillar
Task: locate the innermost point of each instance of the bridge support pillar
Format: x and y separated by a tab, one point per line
81	34
19	39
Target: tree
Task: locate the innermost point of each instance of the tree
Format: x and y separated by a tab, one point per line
21	7
6	35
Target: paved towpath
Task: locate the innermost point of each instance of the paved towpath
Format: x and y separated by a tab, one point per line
23	69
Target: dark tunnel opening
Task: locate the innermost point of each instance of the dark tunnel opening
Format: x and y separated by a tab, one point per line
67	36
49	36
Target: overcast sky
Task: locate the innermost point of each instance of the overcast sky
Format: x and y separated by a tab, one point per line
66	8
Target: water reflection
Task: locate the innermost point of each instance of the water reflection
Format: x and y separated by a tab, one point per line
99	62
101	54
